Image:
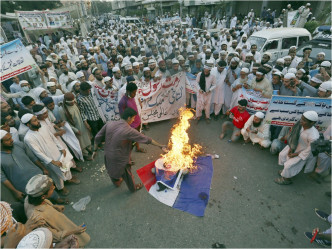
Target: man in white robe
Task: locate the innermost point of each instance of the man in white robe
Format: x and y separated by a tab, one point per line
218	94
204	87
297	153
48	149
257	131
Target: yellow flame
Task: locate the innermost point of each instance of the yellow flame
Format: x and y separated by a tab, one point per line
181	154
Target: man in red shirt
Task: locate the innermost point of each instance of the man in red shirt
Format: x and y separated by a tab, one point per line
240	116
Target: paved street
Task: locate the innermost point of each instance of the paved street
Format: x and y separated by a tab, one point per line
246	208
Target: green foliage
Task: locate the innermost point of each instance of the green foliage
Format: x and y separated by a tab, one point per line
311	26
10	6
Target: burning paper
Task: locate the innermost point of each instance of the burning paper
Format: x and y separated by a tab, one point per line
181	155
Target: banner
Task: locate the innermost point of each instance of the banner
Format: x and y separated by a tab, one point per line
162	99
59	19
293	16
256	103
286	111
107	103
32	20
190	83
35	20
15	59
171	20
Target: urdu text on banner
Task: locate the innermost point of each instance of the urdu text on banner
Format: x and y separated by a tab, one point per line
286	111
15	59
162	99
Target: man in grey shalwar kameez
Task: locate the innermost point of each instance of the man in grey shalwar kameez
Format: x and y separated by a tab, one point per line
118	137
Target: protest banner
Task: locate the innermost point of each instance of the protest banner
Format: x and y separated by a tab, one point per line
256	103
59	19
32	20
293	16
286	110
162	99
190	83
107	103
15	59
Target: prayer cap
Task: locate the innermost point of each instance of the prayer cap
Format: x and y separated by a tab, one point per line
135	64
321	53
245	70
49	84
259	115
85	86
325	64
181	58
2	134
128	66
175	61
107	78
311	115
277	72
292	70
249	54
79	74
237	60
38	238
38	185
151	62
208	64
281	60
326	86
289	76
146	69
208	50
316	80
6	216
215	52
243	102
22	82
47	100
115	69
223	52
268	54
26	118
38	91
287	57
269	65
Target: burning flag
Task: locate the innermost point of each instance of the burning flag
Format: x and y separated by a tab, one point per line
186	177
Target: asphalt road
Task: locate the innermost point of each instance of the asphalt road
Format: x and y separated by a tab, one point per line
246	208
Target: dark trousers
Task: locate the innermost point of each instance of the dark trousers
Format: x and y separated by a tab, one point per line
128	177
95	126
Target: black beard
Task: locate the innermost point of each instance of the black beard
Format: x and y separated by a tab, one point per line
36	127
162	70
233	68
259	80
207	75
256	124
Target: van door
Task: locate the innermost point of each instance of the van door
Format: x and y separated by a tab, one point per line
286	44
272	46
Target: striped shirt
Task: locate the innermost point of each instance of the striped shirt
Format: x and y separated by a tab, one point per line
88	108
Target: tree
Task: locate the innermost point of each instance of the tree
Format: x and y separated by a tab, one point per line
11	6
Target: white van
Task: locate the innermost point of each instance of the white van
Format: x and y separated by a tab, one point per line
278	41
130	21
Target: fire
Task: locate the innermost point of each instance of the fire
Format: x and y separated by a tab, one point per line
181	154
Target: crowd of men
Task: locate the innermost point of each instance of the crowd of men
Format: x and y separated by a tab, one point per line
49	118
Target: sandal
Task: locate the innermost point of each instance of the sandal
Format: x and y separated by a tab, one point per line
64	191
139	186
62	201
141	150
74	180
282	181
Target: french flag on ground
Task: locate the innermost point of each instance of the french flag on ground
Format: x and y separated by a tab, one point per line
193	193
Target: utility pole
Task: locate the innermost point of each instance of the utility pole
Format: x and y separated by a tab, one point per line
161	7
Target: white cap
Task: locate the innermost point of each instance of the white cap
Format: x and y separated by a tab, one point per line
321	53
248	54
287	57
49	84
326	86
235	59
152	61
289	76
259	115
2	134
245	70
128	66
22	82
325	64
281	60
175	61
115	69
277	72
107	78
79	74
316	80
268	54
26	118
311	115
135	64
292	70
146	69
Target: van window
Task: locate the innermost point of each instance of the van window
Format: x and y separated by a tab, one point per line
288	42
271	45
303	39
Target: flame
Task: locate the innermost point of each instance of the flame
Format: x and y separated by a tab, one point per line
181	155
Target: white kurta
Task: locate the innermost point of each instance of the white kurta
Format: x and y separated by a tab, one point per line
293	166
218	95
262	137
204	99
